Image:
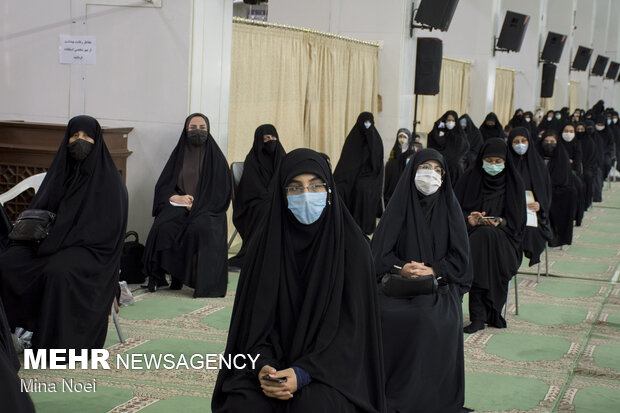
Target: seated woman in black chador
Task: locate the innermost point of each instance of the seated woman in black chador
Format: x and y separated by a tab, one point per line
188	238
401	151
448	138
14	400
492	197
422	232
252	198
306	305
564	205
531	167
62	288
359	173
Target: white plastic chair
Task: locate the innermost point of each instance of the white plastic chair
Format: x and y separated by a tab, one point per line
33	182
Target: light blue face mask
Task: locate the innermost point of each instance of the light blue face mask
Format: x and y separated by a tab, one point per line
520	148
463	123
307	207
367	124
492	169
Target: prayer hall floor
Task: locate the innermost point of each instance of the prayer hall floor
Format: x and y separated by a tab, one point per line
560	354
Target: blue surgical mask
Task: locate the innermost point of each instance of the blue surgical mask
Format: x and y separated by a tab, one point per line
520	148
367	124
492	169
307	207
609	121
463	123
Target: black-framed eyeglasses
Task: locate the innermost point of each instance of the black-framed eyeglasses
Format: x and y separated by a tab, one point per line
298	189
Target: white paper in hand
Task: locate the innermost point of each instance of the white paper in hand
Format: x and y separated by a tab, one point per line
178	205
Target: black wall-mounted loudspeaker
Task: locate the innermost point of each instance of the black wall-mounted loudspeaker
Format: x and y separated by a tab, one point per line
582	58
599	65
613	70
554	45
436	14
428	66
548	80
513	31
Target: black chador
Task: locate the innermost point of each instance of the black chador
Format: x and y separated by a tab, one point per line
306	300
401	151
252	198
190	245
63	288
491	127
422	335
359	173
474	137
535	176
495	250
448	138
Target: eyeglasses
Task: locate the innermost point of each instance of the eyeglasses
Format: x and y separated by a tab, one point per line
296	190
427	167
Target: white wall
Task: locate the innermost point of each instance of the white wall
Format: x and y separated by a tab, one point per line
149	73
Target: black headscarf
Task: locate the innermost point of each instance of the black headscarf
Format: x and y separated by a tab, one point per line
550	125
453	145
489	132
397	148
500	195
532	169
518	119
396	164
252	198
531	125
473	135
591	151
305	294
423	228
88	196
213	188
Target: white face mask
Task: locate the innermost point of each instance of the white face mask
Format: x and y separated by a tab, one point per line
527	119
568	136
615	120
549	118
402	140
427	181
367	124
450	125
520	148
599	128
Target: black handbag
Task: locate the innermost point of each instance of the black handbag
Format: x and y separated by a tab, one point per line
395	285
5	223
131	260
32	225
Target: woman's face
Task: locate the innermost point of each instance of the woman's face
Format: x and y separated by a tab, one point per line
81	135
197	122
267	138
431	166
490	123
402	138
581	128
305	183
569	128
519	140
450	118
494	160
550	140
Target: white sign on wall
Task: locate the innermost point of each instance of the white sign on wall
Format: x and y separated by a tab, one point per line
78	49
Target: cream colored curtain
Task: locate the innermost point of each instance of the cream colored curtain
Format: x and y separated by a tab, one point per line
504	94
573	95
311	87
453	94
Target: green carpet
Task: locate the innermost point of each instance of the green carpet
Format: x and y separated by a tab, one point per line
597	400
548	315
494	392
520	347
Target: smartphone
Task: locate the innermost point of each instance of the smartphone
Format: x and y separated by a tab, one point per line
495	219
271	379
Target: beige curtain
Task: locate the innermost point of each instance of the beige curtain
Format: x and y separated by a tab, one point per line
573	95
310	86
453	94
504	94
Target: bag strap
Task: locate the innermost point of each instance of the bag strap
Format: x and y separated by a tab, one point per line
132	233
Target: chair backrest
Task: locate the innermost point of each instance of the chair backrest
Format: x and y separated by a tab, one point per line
236	170
33	182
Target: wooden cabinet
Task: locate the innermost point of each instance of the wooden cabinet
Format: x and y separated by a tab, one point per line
28	148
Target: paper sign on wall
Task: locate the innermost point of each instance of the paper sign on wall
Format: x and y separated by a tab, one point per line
78	49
